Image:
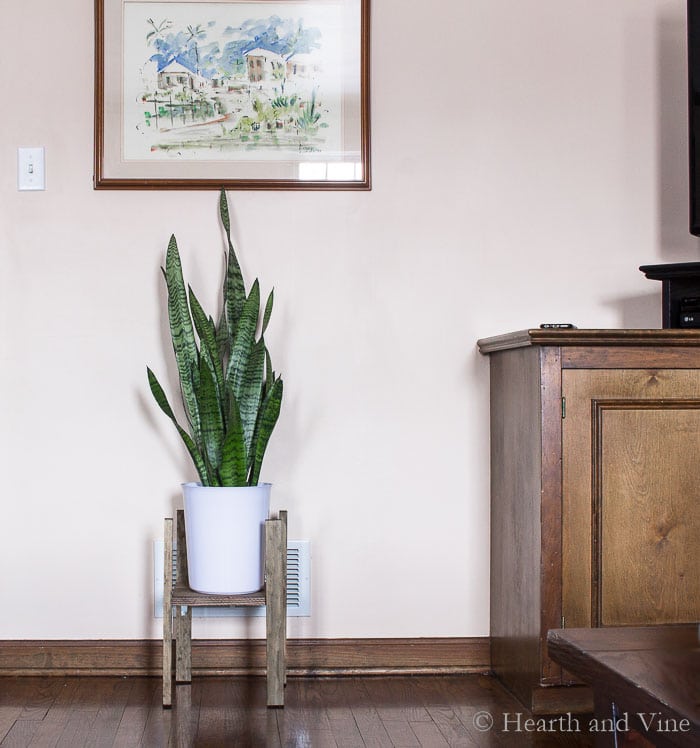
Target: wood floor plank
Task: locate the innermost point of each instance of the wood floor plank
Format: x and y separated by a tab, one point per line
306	696
42	698
15	691
185	715
339	697
136	712
21	733
347	712
451	727
233	711
75	731
304	722
156	731
428	735
383	715
401	734
47	734
272	731
8	716
104	729
345	732
369	723
23	705
399	699
372	729
53	724
65	701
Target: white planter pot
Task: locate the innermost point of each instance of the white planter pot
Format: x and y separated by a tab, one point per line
225	529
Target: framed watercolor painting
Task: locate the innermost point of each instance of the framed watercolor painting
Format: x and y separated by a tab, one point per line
245	94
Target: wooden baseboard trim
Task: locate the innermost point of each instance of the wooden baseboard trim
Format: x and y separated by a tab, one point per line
234	657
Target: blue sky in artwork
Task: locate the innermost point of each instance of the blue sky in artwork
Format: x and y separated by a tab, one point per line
202	48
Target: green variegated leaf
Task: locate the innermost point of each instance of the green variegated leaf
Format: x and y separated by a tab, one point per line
250	393
267	418
234	287
223	211
243	340
212	419
234	460
207	337
269	374
162	401
234	290
182	333
222	337
268	311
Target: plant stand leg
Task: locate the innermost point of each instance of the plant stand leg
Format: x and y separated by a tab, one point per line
183	644
276	613
283	551
183	613
168	615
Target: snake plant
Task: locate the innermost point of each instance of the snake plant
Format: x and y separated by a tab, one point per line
231	395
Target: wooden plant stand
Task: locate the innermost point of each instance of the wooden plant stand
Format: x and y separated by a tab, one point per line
180	599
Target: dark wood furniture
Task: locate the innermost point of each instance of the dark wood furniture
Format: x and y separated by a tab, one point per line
179	599
595	518
645	680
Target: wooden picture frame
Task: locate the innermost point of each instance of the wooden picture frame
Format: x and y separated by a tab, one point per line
244	94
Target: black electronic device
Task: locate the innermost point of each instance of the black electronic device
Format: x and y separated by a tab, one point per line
694	113
689	315
690	320
680	292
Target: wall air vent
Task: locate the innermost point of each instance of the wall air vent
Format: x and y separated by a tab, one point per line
298	584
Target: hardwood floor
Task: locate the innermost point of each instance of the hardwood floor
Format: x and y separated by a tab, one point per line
430	711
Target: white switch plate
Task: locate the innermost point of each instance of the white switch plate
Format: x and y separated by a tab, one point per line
30	169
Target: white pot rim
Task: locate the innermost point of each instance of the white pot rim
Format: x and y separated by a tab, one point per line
197	484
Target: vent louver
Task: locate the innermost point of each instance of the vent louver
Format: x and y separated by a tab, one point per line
293	577
298	584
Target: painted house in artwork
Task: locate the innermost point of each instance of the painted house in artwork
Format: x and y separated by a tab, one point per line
176	75
220	81
263	65
302	65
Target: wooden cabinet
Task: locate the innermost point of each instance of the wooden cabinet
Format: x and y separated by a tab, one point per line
595	493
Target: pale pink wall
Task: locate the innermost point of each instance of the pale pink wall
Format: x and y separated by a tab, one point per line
525	184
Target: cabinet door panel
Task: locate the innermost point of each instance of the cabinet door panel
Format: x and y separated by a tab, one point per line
649	515
631	504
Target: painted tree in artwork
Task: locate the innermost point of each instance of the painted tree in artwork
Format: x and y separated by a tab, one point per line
157	31
196	33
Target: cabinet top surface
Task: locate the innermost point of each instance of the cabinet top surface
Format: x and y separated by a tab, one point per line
573	337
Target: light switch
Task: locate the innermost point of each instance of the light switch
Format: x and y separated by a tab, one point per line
30	169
